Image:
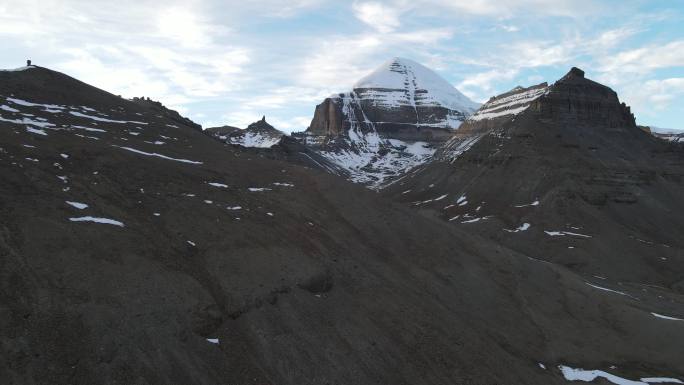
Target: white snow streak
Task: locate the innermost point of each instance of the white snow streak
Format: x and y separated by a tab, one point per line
563	233
535	203
158	155
608	290
99	119
77	205
98	220
666	317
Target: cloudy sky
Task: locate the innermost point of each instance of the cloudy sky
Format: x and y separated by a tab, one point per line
229	62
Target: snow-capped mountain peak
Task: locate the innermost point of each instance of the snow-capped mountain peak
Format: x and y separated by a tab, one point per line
406	82
391	121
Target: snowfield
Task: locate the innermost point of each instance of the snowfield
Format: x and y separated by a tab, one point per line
254	139
360	156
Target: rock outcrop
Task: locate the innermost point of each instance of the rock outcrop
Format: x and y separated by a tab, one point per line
221	132
574	103
258	134
160	109
577	101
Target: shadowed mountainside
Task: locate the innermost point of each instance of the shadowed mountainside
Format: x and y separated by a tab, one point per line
137	250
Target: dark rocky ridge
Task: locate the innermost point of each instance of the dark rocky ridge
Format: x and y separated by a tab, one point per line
159	108
488	118
339	285
575	101
220	131
578	153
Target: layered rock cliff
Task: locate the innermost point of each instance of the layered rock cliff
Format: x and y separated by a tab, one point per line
392	120
401	100
573	102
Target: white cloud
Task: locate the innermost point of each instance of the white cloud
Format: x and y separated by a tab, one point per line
283	97
610	38
481	86
514	58
510	28
646	59
276	8
377	15
508	9
297	123
336	63
528	54
421	36
651	97
184	27
174	53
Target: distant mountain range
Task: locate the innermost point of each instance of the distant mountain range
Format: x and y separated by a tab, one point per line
669	134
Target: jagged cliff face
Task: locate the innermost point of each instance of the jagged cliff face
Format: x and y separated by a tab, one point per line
328	119
393	120
585	104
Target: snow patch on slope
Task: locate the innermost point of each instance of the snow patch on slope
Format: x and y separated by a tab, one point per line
511	103
254	139
105	221
371	160
572	374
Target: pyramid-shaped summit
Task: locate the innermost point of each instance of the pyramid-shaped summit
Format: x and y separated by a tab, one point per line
401	99
410	83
